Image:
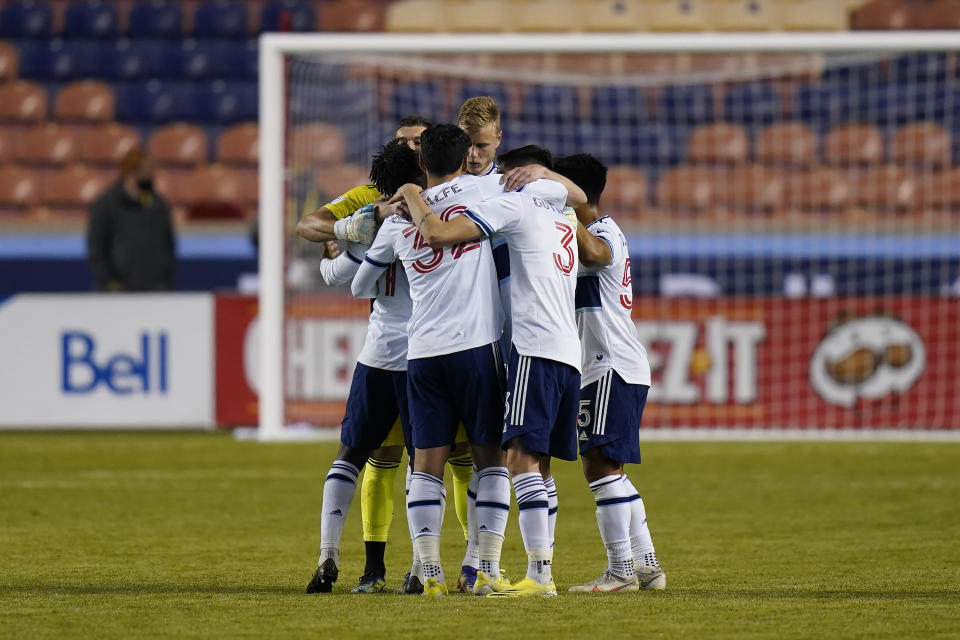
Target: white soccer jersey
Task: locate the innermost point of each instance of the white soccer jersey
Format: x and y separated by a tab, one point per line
543	261
604	301
385	345
456	302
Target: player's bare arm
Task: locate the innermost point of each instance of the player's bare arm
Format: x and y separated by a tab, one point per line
592	251
435	231
317	226
520	176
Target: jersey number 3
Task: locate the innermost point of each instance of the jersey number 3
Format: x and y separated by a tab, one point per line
567	262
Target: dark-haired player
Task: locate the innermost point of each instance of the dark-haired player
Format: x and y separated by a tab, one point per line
616	378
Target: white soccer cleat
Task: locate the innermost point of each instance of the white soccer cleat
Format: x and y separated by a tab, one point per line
651	577
609	583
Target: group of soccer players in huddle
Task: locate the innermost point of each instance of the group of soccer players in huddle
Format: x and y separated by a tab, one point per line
474	260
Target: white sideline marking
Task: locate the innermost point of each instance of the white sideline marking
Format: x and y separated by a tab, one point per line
787	435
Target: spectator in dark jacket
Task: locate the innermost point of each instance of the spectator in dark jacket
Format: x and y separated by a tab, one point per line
130	238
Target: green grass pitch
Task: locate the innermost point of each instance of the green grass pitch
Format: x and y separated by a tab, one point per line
195	535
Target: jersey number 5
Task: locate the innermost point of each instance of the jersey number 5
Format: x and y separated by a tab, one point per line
567	262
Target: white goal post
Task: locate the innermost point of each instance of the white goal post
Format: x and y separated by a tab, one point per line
276	48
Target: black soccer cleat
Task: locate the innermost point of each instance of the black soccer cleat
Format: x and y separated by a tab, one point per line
411	585
324	577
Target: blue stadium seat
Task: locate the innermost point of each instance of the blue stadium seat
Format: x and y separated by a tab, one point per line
560	138
551	103
349	103
91	19
244	58
158	102
823	106
752	104
156	19
59	60
220	19
859	74
199	59
26	20
618	104
133	59
228	102
922	67
649	146
424	98
495	90
686	104
894	103
287	15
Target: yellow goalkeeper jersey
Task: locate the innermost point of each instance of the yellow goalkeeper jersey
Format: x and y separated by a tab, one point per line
344	205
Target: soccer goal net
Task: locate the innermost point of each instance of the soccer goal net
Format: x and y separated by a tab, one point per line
791	204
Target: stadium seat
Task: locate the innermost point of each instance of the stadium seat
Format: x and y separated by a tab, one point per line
309	102
91	19
752	104
106	144
85	101
418	16
216	193
180	144
480	16
679	15
76	187
352	15
886	188
220	19
336	179
607	16
922	67
199	59
133	59
551	104
555	16
813	15
47	144
884	14
318	145
288	15
718	144
746	15
648	146
853	145
627	191
819	189
826	105
789	144
751	188
157	101
921	144
228	102
175	186
618	105
239	145
9	62
155	19
20	20
425	98
57	59
942	14
941	190
687	189
685	104
7	145
22	102
20	189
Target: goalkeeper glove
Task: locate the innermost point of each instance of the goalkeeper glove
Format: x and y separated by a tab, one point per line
360	227
571	215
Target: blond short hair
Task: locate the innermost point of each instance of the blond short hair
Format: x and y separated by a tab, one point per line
477	113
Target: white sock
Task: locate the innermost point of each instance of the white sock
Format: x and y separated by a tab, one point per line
472	557
493	507
552	503
641	544
532	504
415	569
338	490
613	517
425	506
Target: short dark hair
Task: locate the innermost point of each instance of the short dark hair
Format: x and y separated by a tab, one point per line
522	156
414	120
396	165
443	148
586	172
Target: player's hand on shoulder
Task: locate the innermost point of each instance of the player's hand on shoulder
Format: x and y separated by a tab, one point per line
521	176
333	249
407	189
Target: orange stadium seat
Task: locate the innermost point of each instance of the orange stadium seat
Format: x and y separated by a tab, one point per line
612	15
7	146
48	144
627	191
318	144
746	15
85	101
19	190
216	193
334	180
9	62
853	144
790	144
352	15
489	16
813	15
751	188
106	144
940	14
175	187
820	189
720	143
883	15
179	144
417	16
546	15
239	145
886	188
679	15
75	188
687	189
23	102
941	190
921	143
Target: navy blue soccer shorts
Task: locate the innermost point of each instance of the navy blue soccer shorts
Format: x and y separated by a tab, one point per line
461	387
377	398
609	418
541	406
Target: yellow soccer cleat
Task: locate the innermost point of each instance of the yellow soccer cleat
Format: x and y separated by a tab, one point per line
434	587
527	588
484	586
